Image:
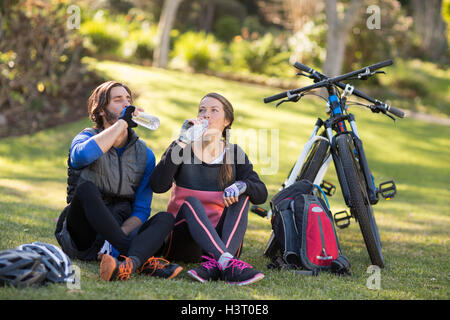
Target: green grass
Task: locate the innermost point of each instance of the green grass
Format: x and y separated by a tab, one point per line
414	226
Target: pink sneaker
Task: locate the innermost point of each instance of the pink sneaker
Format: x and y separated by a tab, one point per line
240	273
207	271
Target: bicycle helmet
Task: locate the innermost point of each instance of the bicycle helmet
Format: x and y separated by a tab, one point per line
21	268
58	264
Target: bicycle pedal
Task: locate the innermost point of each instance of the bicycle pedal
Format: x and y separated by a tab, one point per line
342	219
259	211
328	188
387	189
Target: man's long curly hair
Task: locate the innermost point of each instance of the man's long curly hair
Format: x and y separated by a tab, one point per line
100	98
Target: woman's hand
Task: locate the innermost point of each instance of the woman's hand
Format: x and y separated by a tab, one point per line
231	194
184	136
228	201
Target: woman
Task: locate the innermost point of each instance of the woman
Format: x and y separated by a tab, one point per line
213	182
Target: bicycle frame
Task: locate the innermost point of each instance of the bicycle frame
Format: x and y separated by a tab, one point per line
301	160
336	121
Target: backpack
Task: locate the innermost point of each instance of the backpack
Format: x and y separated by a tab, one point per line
303	232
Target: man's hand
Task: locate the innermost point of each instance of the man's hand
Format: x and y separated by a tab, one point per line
127	116
130	224
127	227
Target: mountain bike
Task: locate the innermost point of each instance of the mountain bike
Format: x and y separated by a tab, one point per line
340	142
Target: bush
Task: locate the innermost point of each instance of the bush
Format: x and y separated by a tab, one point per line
195	51
226	28
308	45
42	80
123	37
264	55
140	44
128	37
101	37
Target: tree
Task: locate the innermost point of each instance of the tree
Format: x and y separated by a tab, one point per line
168	14
43	81
206	17
337	34
431	27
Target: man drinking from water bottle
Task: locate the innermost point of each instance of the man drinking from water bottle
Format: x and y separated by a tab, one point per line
109	196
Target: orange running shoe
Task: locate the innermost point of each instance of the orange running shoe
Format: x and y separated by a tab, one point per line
159	267
112	269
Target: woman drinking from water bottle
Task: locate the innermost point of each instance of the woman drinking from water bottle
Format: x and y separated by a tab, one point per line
212	184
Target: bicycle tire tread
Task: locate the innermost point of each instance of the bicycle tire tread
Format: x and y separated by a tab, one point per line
358	207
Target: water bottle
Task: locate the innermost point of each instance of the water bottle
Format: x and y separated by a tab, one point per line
196	131
146	120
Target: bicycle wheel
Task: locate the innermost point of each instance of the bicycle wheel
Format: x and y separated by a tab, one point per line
359	201
314	161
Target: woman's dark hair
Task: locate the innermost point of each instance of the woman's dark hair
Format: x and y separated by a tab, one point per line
226	171
100	98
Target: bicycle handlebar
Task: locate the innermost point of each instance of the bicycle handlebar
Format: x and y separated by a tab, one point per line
327	81
390	109
303	67
276	97
322	80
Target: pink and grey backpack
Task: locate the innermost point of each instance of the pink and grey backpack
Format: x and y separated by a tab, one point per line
304	232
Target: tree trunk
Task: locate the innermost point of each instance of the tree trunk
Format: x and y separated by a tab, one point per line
337	35
168	14
431	27
206	17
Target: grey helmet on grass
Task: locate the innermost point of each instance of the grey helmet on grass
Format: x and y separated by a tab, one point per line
21	268
57	263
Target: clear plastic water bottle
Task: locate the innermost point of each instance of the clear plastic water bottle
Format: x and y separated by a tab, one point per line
196	131
147	120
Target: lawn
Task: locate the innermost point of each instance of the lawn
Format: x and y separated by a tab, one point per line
414	226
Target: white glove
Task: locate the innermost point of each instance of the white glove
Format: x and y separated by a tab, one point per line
235	190
108	249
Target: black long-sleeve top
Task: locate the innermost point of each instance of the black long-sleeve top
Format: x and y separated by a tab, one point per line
190	176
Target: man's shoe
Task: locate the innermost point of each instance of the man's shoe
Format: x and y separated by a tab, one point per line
240	273
112	269
207	271
159	267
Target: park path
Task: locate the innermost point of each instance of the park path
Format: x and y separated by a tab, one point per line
428	118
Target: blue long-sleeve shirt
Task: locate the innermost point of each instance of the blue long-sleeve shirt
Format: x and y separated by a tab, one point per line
85	150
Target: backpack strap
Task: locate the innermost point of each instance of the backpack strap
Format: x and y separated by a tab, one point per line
341	266
324	196
291	245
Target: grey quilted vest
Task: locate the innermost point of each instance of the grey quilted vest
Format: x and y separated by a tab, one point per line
116	177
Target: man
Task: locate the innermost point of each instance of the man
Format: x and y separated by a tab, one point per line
108	193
